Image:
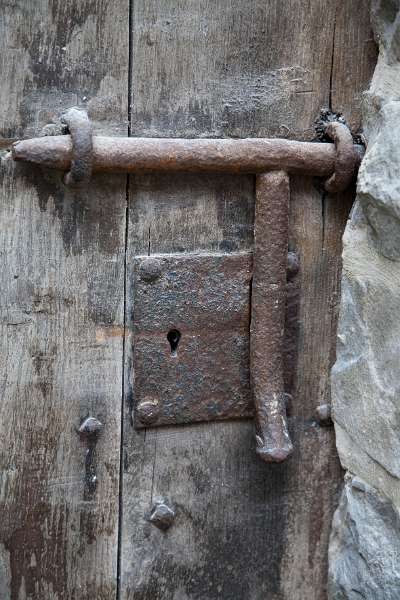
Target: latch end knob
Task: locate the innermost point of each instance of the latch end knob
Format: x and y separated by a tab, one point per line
272	436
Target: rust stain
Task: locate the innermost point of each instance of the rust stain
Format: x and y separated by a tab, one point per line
105	333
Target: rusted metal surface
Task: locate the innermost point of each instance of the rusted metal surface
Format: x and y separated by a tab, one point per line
205	377
268	309
345	161
80	129
204	374
138	155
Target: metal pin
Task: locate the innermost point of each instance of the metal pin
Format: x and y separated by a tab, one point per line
162	516
89	431
148	411
323	414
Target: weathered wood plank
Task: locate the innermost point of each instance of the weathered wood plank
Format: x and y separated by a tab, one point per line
61	307
353	59
317	223
230	69
243	529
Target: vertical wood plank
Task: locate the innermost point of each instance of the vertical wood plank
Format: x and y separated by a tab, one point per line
61	307
317	223
243	529
353	59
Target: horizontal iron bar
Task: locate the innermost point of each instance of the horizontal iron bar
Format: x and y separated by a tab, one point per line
253	155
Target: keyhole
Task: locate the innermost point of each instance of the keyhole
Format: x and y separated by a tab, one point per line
173	337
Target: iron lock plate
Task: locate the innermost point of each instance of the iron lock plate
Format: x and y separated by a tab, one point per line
204	301
191	338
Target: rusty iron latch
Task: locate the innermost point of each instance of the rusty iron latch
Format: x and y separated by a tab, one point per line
193	315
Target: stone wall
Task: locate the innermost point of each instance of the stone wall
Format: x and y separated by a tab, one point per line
364	552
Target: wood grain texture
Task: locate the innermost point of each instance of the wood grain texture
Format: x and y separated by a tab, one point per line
233	69
198	69
243	529
353	59
61	307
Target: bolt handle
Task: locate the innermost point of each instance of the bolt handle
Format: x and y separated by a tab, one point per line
268	313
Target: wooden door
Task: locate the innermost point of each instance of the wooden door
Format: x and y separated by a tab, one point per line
75	526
